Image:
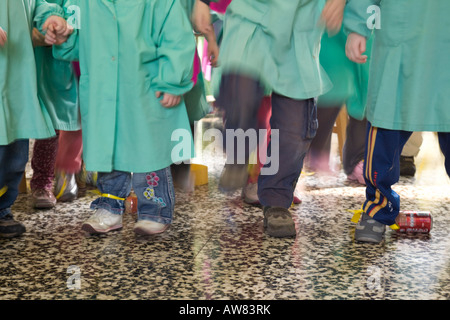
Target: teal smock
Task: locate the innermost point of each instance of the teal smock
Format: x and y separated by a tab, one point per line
196	104
21	115
410	69
276	42
57	88
128	50
350	80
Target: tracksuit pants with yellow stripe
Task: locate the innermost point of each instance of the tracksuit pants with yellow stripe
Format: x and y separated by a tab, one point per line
382	170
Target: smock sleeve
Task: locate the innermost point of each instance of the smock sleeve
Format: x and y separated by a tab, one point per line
357	14
175	48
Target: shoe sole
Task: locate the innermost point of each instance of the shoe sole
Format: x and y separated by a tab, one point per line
44	205
281	232
90	229
144	232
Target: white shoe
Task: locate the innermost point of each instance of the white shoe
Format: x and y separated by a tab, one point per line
102	221
147	227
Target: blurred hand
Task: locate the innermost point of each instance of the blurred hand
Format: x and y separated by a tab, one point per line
38	39
355	47
3	37
332	15
201	19
168	100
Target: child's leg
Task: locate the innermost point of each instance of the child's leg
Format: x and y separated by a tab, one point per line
156	200
355	144
381	171
296	123
318	158
68	158
444	143
240	98
43	163
13	159
114	187
68	163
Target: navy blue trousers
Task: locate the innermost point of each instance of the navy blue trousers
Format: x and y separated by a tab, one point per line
382	170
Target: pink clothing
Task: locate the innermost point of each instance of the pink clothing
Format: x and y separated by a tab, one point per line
43	163
220	6
68	158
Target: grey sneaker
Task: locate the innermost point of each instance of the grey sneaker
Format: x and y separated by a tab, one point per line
278	222
9	227
369	230
66	188
102	221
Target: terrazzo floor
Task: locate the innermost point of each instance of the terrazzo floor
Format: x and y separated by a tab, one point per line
216	248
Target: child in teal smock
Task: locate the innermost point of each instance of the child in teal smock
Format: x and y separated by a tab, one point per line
272	47
408	91
136	63
21	115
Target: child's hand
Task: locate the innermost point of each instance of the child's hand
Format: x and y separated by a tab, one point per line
213	52
38	39
168	100
355	47
3	37
332	15
57	30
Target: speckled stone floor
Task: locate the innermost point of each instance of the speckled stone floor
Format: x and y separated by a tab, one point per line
216	248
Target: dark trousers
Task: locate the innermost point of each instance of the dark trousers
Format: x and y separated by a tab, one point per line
382	170
293	126
13	159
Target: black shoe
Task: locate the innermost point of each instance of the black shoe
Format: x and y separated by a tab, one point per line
234	177
407	166
10	228
278	222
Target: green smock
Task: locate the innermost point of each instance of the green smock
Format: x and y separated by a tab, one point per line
195	100
276	42
57	87
21	115
128	50
410	68
349	79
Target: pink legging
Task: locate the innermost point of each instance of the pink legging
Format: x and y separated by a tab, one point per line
60	153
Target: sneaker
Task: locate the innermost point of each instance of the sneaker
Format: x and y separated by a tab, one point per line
358	174
43	199
147	227
278	222
407	166
66	188
102	221
10	228
369	230
234	177
250	193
